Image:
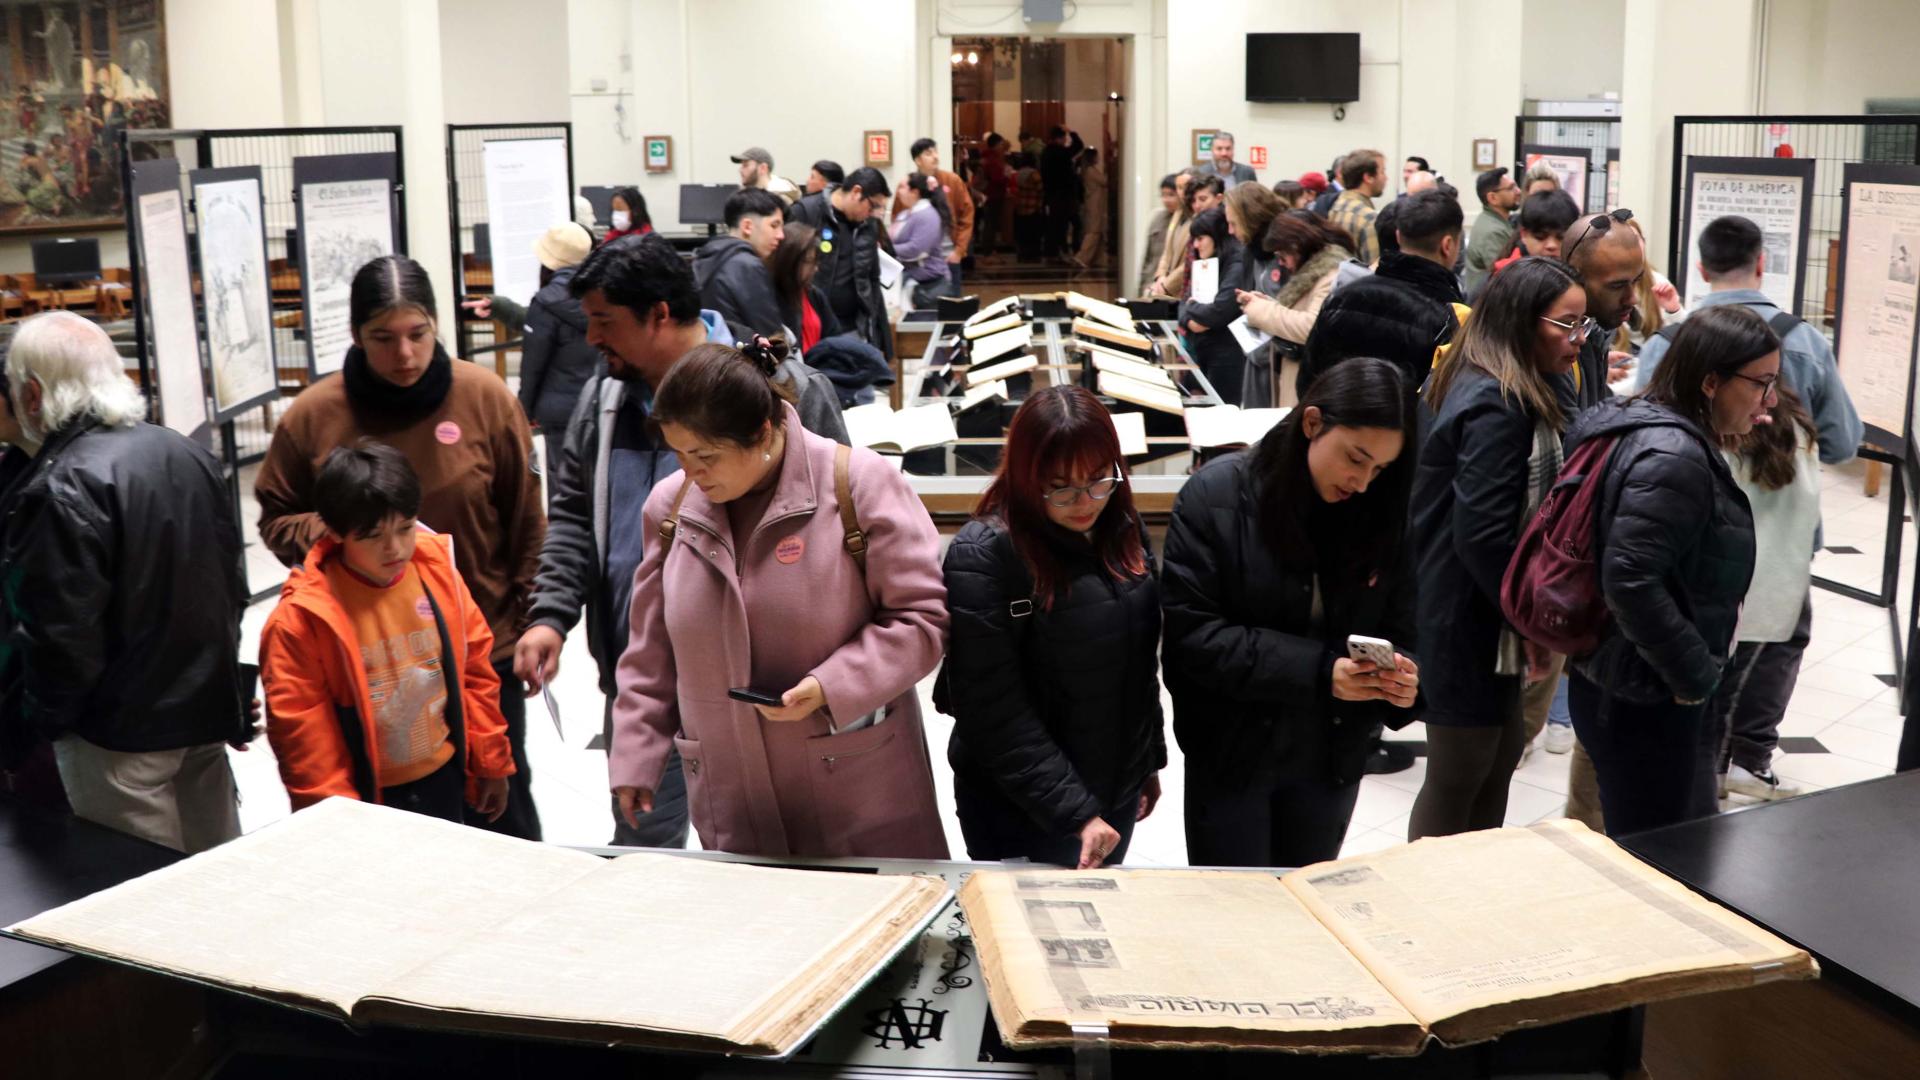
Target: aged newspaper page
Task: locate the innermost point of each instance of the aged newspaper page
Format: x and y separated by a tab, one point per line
318	909
668	943
1173	957
1484	931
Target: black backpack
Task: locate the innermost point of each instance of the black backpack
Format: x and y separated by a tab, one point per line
1781	324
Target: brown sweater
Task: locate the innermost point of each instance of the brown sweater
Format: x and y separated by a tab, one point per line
477	484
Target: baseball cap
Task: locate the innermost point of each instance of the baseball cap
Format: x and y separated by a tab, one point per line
754	153
563	245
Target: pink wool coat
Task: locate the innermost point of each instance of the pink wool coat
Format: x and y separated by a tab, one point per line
796	605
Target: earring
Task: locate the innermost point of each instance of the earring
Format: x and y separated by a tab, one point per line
768	456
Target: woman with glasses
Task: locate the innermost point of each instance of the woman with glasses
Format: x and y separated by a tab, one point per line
1051	672
1491	453
1276	556
1675	554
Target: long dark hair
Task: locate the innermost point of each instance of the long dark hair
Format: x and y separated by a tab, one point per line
1061	431
928	188
636	208
387	283
1499	338
1358	393
1303	233
724	394
1772	451
1718	340
789	259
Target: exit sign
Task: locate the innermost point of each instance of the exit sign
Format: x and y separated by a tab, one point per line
879	147
1257	156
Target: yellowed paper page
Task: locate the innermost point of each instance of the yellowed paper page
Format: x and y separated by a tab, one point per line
1477	920
324	907
1179	956
662	942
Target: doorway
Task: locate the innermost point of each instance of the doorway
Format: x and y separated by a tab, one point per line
1046	217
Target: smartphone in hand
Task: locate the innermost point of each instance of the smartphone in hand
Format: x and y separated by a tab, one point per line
1377	650
755	697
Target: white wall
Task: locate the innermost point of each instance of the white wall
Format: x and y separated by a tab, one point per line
504	61
1830	56
1569	49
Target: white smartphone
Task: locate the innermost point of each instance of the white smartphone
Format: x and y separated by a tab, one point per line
1378	650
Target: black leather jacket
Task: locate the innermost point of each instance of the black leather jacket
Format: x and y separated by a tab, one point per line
121	567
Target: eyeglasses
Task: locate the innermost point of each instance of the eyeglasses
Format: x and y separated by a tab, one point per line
1578	330
1768	386
1098	491
1602	225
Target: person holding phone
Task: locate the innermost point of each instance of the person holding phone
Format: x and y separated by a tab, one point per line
1275	557
803	577
1052	668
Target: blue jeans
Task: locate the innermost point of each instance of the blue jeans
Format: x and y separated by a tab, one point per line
1557	712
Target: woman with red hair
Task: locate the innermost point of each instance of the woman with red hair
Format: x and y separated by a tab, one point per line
1052	661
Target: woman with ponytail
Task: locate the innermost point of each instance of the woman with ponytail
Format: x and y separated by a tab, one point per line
467	440
789	602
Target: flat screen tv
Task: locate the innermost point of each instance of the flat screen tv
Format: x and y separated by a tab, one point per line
1303	67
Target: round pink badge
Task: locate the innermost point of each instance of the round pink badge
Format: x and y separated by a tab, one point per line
1276	275
448	432
423	608
790	550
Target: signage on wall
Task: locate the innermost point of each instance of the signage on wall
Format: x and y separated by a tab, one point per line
659	153
879	147
1203	145
1256	157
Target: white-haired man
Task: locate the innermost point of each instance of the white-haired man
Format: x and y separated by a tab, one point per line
120	568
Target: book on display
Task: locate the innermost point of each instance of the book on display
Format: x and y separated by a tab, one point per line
1100	311
981	375
1443	939
1146	395
1212	427
1111	336
878	427
379	916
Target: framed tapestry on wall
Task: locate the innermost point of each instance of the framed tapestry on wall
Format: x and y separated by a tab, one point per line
73	74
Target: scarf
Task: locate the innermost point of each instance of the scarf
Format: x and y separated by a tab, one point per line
1324	262
1543	468
377	397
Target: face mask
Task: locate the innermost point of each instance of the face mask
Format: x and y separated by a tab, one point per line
622	219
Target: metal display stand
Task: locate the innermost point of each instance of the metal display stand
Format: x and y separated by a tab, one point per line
270	150
467	209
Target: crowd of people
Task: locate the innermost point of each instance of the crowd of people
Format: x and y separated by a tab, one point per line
761	599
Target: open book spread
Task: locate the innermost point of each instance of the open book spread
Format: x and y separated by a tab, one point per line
981	374
377	915
1460	938
1131	366
878	427
999	324
1146	395
994	346
1132	429
1006	306
1214	426
1099	310
980	395
1089	329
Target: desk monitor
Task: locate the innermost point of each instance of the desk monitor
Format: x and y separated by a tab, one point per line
601	199
705	204
66	261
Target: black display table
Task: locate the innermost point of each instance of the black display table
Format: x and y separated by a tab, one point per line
1837	873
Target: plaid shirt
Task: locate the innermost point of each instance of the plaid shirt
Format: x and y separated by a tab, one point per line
1029	193
1354	212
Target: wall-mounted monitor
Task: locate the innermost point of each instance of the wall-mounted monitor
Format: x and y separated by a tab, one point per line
1303	67
66	261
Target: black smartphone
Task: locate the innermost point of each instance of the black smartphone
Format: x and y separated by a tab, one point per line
754	697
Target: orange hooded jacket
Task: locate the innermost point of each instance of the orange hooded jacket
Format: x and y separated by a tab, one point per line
319	708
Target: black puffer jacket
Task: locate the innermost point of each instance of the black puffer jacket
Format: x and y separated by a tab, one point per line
1675	554
1465	522
735	282
1251	681
1215	349
1401	312
121	570
1059	707
861	245
555	359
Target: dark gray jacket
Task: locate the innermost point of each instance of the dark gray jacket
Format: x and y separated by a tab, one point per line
555	359
1675	553
734	282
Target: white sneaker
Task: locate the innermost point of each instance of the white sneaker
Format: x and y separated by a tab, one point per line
1761	785
1559	738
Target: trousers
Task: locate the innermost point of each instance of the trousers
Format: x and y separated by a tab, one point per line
1654	763
184	799
1283	822
522	818
1753	695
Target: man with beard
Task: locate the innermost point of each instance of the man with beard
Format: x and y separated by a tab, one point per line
1611	259
643	314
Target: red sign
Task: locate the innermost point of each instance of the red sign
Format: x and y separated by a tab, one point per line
1257	156
879	147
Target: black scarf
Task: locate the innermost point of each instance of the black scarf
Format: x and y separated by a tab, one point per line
370	393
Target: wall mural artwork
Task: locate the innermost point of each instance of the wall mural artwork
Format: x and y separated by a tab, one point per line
72	76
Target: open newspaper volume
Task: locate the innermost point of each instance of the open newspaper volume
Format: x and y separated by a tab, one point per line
375	915
1460	938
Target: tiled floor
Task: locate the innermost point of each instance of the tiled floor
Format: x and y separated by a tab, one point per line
1840	701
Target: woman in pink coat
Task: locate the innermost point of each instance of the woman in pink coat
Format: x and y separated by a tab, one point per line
753	584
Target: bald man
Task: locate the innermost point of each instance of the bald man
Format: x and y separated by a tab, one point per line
1610	258
1420	180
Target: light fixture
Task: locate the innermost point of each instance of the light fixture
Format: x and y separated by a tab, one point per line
972	57
957	58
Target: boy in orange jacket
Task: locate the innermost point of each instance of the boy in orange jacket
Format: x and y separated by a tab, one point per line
375	663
